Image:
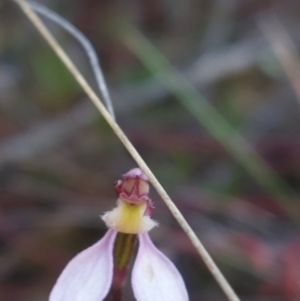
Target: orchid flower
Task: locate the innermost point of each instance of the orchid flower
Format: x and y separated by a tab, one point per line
102	268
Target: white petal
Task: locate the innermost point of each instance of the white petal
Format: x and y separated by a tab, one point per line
88	276
154	276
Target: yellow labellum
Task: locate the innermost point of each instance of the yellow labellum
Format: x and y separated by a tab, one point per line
129	218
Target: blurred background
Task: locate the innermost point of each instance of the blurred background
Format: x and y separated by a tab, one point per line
59	158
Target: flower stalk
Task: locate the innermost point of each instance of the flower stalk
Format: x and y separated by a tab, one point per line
123	250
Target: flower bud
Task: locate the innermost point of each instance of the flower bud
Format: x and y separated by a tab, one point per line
134	188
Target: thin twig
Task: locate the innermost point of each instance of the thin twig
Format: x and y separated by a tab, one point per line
174	210
85	43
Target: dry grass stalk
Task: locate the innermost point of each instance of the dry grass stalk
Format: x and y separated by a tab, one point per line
117	130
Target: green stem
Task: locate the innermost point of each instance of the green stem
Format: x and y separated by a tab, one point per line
123	251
